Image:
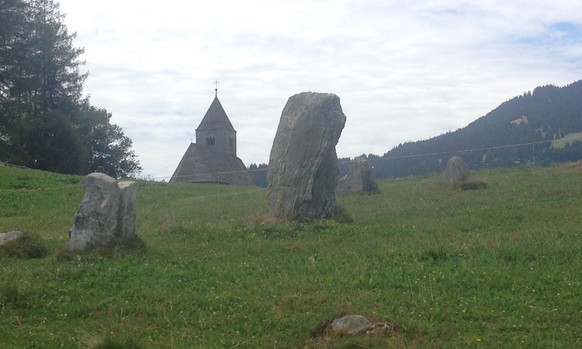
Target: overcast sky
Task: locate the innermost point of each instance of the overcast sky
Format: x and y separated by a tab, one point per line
404	70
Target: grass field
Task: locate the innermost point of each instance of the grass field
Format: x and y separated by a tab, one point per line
493	268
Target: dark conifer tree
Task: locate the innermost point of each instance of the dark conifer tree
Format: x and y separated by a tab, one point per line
45	119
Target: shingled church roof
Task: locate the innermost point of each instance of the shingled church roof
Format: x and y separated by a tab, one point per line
215	118
202	165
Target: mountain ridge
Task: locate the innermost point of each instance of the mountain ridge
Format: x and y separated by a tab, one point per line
520	131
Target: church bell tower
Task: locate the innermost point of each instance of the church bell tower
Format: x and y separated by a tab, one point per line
215	131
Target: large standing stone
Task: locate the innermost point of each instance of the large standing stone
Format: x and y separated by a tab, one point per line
106	215
359	179
303	171
456	171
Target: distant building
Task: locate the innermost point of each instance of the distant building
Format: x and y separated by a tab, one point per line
212	159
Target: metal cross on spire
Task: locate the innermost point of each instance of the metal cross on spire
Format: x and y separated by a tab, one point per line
216	88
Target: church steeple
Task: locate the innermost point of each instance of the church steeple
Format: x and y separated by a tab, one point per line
215	130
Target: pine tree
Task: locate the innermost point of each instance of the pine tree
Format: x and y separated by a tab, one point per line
44	116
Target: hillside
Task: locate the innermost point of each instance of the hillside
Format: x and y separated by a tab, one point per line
526	129
494	268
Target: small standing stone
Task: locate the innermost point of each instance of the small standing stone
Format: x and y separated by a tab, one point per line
359	179
106	214
456	171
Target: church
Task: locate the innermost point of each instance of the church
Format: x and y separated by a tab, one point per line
212	159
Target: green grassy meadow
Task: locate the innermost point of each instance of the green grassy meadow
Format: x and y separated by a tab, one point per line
493	268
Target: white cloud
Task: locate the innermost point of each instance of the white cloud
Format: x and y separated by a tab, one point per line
404	70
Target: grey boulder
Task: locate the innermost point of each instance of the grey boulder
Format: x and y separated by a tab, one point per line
303	172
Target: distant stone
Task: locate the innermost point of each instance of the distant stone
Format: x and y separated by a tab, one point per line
352	325
107	214
9	236
359	179
303	172
456	171
348	325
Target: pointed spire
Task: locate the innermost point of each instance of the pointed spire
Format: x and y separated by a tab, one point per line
215	118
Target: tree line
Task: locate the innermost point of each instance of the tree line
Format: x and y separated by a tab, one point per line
46	122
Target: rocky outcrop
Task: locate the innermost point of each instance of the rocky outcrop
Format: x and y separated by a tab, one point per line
303	171
359	179
106	216
456	171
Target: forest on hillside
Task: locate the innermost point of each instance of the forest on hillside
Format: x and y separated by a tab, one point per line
46	122
522	131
